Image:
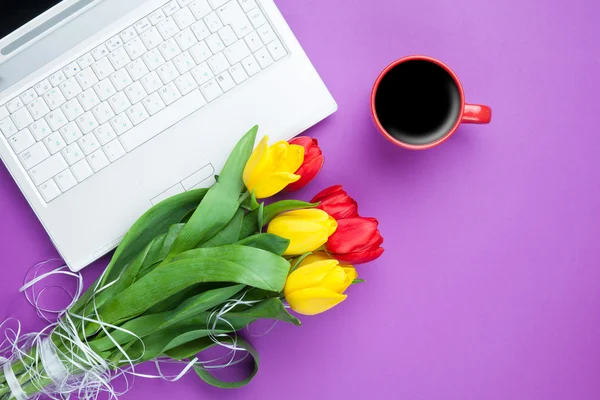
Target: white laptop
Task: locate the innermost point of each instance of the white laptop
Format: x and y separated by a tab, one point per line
109	106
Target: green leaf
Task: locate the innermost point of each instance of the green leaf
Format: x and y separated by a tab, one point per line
248	201
261	216
124	281
271	308
172	302
356	281
253	202
229	234
229	263
273	210
174	231
251	224
190	349
153	223
266	241
220	203
198	304
299	260
189	330
147	324
159	248
209	378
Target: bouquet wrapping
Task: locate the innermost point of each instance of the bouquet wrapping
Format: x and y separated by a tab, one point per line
196	269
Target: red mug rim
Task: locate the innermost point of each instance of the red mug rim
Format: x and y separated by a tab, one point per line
450	131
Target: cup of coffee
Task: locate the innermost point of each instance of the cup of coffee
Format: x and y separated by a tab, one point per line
418	102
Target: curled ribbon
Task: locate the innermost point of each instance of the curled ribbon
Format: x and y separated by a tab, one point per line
94	374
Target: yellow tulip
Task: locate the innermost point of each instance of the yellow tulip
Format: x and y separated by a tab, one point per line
271	168
317	256
318	286
307	230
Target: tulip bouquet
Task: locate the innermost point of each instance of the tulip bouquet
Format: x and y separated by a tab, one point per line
199	267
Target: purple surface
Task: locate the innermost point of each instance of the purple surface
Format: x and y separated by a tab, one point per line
490	286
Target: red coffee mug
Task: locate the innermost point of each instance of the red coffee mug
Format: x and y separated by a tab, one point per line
418	102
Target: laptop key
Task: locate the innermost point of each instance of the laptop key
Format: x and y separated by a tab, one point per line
81	170
8	127
28	96
98	160
14	104
171	8
42	87
54	99
217	3
54	143
200	8
237	52
3	112
73	153
21	141
34	155
65	180
22	118
153	103
105	134
88	144
114	150
49	191
225	81
40	129
211	90
156	17
248	5
47	169
264	57
70	132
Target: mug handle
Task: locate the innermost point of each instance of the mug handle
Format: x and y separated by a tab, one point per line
477	114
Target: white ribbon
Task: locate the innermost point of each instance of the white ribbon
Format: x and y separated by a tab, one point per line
13	383
52	363
96	374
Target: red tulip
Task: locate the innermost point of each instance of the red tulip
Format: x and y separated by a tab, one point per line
336	202
356	241
313	162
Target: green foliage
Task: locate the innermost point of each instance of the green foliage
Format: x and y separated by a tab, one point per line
220	203
231	263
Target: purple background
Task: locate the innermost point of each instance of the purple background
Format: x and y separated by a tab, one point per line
489	287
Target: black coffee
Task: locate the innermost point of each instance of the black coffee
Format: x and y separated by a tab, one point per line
417	102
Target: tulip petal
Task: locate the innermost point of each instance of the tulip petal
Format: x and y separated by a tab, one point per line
273	183
294	158
354	234
361	257
306	229
314	257
314	301
308	171
336	202
304	236
351	275
335	280
312	214
326	193
256	164
285	157
300	244
309	276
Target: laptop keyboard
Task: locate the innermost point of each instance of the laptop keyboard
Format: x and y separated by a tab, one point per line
108	101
